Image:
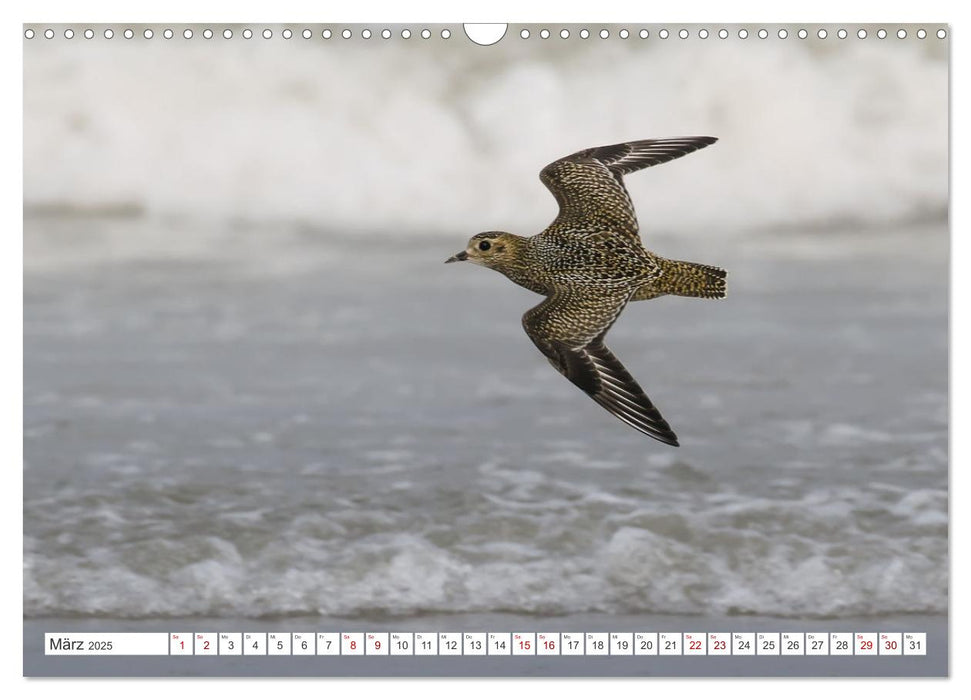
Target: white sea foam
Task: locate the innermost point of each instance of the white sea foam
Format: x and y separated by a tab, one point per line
445	139
827	553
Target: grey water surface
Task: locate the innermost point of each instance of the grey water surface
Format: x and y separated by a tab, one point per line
300	423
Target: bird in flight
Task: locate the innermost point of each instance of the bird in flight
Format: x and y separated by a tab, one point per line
589	263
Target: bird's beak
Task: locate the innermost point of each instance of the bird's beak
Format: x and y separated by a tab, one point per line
458	257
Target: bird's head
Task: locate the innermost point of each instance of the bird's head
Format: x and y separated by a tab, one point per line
492	249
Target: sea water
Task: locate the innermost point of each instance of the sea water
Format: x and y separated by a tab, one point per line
296	422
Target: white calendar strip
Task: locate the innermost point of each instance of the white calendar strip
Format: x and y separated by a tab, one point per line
485	644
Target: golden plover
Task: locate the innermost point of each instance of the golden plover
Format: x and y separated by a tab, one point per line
588	264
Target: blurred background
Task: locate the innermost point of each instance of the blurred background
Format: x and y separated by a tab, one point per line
252	388
442	136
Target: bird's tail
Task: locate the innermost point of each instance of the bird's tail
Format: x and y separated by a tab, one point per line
687	279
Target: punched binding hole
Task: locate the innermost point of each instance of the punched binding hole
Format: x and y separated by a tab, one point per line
488	34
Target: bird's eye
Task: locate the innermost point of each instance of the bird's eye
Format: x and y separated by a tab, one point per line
484	245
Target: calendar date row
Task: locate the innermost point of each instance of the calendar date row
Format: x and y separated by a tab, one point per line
376	644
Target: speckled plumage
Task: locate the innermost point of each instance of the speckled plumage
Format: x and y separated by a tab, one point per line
589	263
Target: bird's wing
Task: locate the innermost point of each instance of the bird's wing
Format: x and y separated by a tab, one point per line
589	187
569	327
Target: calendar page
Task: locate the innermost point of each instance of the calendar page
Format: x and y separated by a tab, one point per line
676	406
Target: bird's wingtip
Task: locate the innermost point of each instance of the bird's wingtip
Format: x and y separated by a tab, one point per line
669	439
